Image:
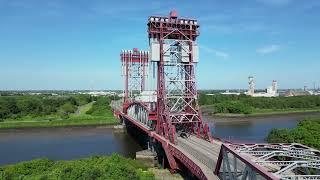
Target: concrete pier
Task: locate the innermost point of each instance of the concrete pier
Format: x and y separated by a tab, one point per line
119	128
148	157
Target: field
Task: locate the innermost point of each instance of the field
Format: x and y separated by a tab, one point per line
48	111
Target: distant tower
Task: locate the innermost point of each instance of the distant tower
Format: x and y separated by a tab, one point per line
305	88
251	85
134	66
274	86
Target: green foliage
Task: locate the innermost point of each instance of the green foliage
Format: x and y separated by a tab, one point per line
307	132
83	99
223	102
68	108
101	106
232	107
22	111
8	106
112	167
14	107
280	135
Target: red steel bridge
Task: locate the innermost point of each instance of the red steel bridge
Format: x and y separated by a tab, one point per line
168	114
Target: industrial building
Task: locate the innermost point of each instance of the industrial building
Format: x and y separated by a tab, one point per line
271	91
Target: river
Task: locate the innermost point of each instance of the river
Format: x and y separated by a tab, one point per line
252	129
72	143
63	143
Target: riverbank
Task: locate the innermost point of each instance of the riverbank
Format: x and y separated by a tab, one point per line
307	133
253	129
208	110
64	143
97	167
55	111
58	123
260	117
98	117
69	144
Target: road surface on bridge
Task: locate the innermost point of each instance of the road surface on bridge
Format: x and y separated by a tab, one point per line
203	153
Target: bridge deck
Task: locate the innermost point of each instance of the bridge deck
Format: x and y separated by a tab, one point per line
203	153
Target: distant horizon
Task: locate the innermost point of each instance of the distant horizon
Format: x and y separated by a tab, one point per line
260	89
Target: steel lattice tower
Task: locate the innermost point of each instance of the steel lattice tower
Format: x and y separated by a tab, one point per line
173	47
134	66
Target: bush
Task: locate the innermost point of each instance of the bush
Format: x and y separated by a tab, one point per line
232	107
279	136
100	107
39	105
112	167
68	108
263	102
307	133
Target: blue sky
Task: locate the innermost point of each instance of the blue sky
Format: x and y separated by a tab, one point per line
75	44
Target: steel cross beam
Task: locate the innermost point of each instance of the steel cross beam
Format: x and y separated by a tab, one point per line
266	160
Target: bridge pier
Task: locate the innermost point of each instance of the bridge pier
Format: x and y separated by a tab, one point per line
148	157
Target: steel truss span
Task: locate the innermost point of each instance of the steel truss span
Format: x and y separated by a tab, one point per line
268	161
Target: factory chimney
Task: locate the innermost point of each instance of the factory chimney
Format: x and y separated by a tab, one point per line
251	85
274	86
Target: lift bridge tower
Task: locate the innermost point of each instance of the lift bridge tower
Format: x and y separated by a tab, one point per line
134	71
174	49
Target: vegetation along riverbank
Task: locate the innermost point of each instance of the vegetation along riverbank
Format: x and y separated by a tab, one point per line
30	111
99	167
242	105
307	133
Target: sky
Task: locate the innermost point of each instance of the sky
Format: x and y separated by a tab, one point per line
75	44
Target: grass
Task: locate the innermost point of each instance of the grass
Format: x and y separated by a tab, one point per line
80	118
83	109
161	174
57	123
261	112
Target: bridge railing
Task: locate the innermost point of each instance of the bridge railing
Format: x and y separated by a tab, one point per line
117	105
232	165
268	161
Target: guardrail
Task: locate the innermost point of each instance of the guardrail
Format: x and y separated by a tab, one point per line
268	161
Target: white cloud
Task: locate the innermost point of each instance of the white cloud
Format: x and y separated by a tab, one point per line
268	49
217	53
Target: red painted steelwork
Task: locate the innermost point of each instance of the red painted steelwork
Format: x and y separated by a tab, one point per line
142	127
176	32
267	175
176	112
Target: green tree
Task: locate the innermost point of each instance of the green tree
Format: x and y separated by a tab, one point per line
68	108
307	133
